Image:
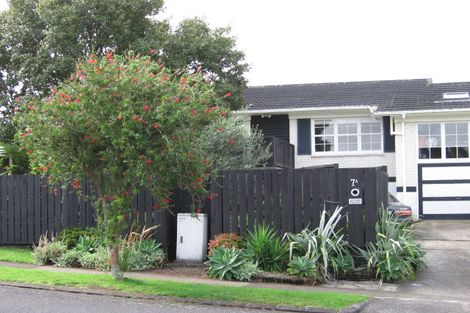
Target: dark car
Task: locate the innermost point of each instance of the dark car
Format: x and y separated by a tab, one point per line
397	208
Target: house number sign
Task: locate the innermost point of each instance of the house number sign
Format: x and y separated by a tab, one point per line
355	193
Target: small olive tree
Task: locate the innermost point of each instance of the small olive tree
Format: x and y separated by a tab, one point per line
126	123
233	146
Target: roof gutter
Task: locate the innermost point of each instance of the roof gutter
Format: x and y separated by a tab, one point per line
386	113
372	109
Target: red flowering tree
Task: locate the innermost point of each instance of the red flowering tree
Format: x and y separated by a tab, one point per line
126	124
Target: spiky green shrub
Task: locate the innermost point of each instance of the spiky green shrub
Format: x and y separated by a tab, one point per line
230	264
70	236
396	256
325	245
267	249
146	254
87	244
302	266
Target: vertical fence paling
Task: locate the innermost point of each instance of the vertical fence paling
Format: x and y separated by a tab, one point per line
291	199
30	207
286	199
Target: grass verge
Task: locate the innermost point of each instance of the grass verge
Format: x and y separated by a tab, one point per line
16	254
326	300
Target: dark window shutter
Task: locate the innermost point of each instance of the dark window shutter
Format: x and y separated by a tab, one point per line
304	137
389	140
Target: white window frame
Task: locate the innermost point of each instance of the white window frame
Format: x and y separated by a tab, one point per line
356	120
443	143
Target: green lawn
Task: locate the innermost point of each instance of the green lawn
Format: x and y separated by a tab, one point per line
16	254
183	290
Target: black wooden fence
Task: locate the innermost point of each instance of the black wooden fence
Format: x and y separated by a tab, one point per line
287	199
29	207
282	153
291	199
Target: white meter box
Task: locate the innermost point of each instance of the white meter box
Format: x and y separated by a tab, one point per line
191	237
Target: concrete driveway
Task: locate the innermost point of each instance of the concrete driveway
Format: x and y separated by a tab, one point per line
444	286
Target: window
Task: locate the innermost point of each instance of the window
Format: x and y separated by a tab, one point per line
324	136
371	136
348	135
429	141
443	140
456	140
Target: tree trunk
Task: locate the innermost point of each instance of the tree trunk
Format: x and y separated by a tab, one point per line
113	252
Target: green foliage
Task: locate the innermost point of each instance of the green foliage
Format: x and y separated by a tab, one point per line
396	256
48	252
14	160
70	258
302	266
324	245
97	260
126	123
146	254
87	244
230	264
194	44
246	149
267	249
70	236
226	240
41	40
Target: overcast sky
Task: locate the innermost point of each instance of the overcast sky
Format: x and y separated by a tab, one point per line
308	41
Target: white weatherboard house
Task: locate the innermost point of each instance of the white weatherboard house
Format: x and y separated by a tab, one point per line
418	129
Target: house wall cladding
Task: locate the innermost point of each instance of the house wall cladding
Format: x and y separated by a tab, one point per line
289	200
346	161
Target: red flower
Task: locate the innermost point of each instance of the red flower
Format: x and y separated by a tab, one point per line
230	141
43	168
75	184
156	126
152	51
184	80
109	56
146	108
228	94
155	206
194	112
149	162
165	201
18	99
177	99
165	78
92	61
212	196
125	193
29	152
200	179
76	100
221	129
211	109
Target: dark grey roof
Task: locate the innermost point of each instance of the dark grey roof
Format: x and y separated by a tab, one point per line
386	95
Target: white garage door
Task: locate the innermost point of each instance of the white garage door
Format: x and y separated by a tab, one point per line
444	189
